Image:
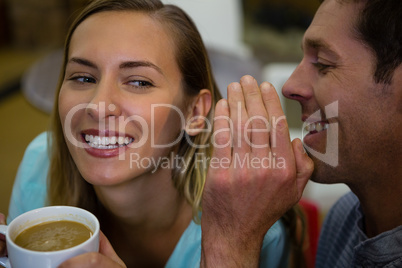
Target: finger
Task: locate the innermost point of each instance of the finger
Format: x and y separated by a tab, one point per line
258	121
106	257
238	117
222	131
279	132
105	248
90	260
2	218
3	251
304	166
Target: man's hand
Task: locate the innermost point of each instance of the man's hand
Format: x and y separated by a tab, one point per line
256	174
106	257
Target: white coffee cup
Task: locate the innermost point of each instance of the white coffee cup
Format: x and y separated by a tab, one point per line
19	257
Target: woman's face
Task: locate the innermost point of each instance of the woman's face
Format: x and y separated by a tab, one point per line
121	99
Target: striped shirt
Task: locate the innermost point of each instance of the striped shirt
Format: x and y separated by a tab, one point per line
343	243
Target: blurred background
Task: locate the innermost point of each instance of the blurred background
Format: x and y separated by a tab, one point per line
257	37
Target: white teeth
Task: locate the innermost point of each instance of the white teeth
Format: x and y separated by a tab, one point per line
318	127
311	127
120	140
107	142
113	140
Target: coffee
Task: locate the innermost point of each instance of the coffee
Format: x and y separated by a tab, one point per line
53	235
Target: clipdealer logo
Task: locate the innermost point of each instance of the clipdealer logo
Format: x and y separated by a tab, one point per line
148	130
331	155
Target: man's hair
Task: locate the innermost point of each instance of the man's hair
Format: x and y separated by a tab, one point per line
380	27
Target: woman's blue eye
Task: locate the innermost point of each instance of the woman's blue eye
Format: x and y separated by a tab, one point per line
86	80
83	79
140	84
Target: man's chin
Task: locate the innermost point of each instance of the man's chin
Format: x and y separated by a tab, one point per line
323	173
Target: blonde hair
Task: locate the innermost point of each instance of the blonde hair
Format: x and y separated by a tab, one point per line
66	185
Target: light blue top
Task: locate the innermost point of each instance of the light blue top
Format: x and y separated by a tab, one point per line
29	192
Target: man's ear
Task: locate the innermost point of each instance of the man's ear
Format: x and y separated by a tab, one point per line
198	111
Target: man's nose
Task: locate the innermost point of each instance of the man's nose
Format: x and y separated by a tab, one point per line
299	85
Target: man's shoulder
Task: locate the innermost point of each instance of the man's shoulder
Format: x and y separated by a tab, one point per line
347	202
343	215
339	233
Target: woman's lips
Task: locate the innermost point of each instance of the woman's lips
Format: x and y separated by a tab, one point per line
110	144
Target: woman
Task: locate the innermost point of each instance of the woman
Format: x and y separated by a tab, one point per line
131	137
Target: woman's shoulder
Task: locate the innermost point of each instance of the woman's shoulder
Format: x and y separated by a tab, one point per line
36	158
38	144
29	190
275	244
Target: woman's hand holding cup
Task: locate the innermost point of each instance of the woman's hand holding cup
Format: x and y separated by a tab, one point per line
51	252
106	257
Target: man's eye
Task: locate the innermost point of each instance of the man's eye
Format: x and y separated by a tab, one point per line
321	67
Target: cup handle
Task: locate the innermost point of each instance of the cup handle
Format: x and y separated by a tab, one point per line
4	260
3	229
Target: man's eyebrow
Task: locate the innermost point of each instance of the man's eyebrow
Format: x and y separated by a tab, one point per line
319	44
135	64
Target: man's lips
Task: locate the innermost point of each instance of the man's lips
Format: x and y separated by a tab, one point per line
316	127
314	123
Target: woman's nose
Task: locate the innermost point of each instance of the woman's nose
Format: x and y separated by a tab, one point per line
299	85
105	102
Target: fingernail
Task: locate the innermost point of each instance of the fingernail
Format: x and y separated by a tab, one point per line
266	87
235	86
247	79
302	149
224	103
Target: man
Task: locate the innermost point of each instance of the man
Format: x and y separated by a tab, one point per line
352	61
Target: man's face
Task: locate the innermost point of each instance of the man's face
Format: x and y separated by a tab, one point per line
340	100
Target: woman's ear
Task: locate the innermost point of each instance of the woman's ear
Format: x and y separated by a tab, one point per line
198	111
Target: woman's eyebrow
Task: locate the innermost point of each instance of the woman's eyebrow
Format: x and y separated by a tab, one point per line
84	62
124	65
135	64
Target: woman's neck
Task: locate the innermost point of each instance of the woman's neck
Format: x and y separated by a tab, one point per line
144	218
